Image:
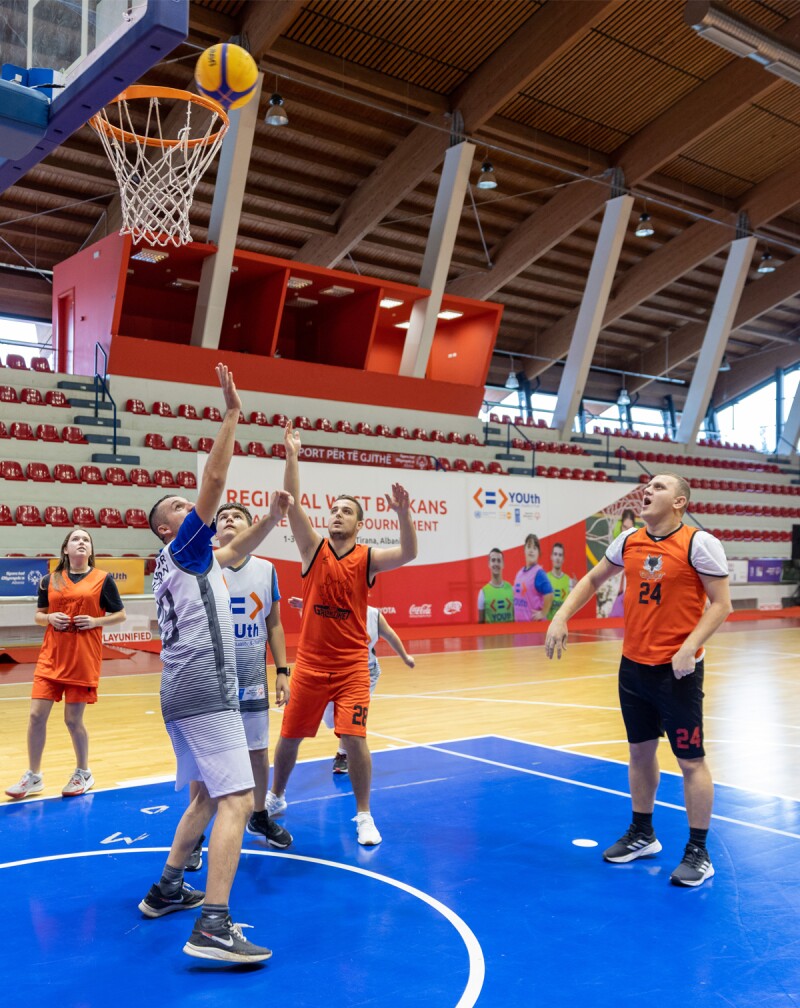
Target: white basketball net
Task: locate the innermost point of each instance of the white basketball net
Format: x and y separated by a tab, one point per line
158	174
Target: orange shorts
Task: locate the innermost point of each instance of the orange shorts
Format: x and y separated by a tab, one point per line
312	691
55	689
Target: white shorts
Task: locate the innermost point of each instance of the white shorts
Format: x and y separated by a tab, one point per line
212	748
374	676
256	728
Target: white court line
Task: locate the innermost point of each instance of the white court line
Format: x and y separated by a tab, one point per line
592	787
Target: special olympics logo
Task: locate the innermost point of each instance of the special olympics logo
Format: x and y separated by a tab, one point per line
34	577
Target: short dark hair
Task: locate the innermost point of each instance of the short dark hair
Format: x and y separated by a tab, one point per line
154	515
234	506
532	538
356	501
557	546
495	550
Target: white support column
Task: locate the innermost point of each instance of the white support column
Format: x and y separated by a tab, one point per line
438	254
791	429
589	320
226	210
716	338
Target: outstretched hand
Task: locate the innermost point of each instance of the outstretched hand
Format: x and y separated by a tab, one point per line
279	505
398	500
291	439
231	396
555	641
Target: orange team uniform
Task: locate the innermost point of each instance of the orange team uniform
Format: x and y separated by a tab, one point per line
332	654
72	657
664	596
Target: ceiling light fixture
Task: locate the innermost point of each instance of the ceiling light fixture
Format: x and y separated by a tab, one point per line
724	364
487	178
767	264
644	229
388	302
276	113
512	382
448	315
623	399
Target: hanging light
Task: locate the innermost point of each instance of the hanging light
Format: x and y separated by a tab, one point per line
767	264
644	229
623	399
724	364
512	382
276	113
487	178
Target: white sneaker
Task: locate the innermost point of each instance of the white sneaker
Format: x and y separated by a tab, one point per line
368	835
275	806
79	783
29	783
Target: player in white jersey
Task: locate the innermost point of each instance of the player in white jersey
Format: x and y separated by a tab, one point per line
256	611
377	626
199	699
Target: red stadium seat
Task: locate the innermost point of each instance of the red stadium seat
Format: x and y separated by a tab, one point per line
382	430
28	514
419	434
494	467
279	419
477	466
41	364
73	435
323	424
31	396
12	471
38	472
443	464
16	362
162	409
344	427
55	397
136	518
155	441
117	476
111	518
57	515
257	448
242	419
186	478
136	406
149	566
437	435
8	394
364	428
48	432
91	474
237	449
164	478
471	439
454	437
182	443
205	444
402	432
6	517
460	465
64	472
21	431
187	411
212	413
259	419
302	423
140	477
84	516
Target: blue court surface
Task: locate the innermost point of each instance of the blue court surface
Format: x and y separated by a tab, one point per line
489	889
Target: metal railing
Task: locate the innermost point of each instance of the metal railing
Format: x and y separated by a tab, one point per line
101	384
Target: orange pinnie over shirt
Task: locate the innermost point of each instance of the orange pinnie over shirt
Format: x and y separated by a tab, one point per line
73	655
664	596
333	633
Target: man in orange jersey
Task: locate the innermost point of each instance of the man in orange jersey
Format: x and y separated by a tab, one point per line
332	654
670	571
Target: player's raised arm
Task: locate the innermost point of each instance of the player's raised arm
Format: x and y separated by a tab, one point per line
391	557
305	537
215	472
249	538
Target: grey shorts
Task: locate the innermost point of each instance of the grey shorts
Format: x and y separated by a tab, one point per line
212	748
256	728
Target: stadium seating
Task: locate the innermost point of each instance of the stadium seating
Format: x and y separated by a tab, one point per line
259	418
48	432
256	448
21	431
64	472
12	470
55	514
84	516
91	474
323	424
110	517
182	443
155	441
164	478
5	515
41	364
16	362
73	435
55	397
205	444
187	411
28	514
38	472
8	394
136	406
117	476
344	427
140	477
212	413
31	396
162	409
186	478
136	518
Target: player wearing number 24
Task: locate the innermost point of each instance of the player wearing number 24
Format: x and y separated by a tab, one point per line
671	569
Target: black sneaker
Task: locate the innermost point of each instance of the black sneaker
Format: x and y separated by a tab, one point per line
195	860
340	763
634	844
155	904
223	941
695	867
260	824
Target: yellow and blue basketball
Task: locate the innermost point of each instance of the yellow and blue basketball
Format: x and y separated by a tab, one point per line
228	74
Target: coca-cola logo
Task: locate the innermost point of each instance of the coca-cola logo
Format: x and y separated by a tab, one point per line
420	610
451	608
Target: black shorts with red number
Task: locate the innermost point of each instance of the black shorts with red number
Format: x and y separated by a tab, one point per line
654	702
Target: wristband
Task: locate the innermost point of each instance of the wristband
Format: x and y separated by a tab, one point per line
283	670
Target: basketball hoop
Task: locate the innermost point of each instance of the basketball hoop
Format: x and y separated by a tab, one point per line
158	174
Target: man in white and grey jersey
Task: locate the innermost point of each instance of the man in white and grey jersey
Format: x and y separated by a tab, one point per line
199	698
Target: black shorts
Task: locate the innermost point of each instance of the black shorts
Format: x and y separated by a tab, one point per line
653	702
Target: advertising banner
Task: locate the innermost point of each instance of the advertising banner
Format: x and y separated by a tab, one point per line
128	572
459	518
20	576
